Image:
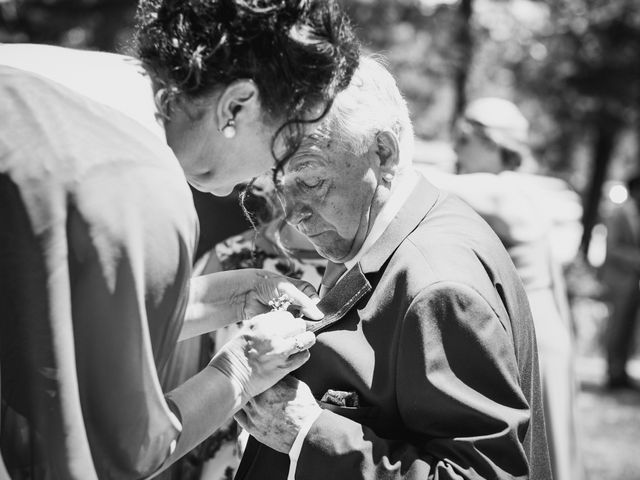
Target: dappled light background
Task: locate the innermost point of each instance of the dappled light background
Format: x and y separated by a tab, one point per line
573	68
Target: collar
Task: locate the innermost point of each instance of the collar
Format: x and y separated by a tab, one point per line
354	284
402	189
418	204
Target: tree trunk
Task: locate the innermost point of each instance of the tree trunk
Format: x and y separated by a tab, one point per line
465	50
606	131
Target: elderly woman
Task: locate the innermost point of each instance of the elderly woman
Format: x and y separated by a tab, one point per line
98	226
425	365
527	211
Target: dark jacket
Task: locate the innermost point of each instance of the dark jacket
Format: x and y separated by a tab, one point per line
437	341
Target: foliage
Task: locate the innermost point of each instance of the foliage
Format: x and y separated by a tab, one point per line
416	42
590	75
95	24
565	62
570	64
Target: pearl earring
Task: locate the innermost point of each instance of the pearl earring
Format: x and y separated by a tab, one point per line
229	130
387	177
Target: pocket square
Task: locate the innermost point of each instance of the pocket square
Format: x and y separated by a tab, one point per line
341	399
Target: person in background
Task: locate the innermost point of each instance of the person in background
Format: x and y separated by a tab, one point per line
425	365
537	219
99	228
620	275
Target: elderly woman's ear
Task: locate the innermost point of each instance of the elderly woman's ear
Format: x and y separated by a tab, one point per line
388	152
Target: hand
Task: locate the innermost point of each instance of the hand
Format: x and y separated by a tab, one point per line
266	348
219	299
276	416
267	286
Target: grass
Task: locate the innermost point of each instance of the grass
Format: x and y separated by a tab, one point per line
609	426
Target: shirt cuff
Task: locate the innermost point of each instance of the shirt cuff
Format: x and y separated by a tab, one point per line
296	448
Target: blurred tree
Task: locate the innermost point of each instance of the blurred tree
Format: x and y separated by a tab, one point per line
572	65
416	38
94	24
464	43
590	81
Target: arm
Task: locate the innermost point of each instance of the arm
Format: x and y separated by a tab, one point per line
458	396
620	248
130	267
625	257
266	349
209	395
215	300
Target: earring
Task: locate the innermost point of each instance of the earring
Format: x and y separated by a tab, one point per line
387	177
229	130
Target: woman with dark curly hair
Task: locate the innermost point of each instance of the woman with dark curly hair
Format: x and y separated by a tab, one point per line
98	227
281	63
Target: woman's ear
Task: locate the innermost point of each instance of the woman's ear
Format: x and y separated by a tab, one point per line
239	101
388	152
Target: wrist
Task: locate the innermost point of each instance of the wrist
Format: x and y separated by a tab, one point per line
236	368
202	404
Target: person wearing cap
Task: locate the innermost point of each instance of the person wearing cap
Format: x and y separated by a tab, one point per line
537	219
620	275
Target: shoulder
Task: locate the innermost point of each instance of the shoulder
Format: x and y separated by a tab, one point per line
122	198
113	80
453	248
78	108
447	244
452	299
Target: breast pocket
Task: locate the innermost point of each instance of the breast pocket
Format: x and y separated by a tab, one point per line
357	414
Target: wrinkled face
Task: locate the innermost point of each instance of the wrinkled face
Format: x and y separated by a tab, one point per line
476	154
331	195
215	164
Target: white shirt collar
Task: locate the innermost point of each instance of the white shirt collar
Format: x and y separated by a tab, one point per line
404	185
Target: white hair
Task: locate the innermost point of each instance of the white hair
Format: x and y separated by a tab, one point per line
371	103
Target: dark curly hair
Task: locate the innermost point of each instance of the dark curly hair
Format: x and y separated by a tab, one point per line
298	52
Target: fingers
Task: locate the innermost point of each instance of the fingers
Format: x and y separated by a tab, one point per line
278	334
306	299
296	360
289	381
303	341
288	347
279	323
308	290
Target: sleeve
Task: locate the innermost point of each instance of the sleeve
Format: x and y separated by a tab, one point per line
458	395
294	453
94	286
620	248
129	267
